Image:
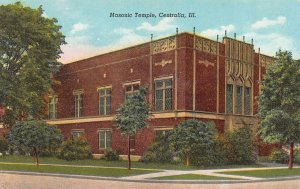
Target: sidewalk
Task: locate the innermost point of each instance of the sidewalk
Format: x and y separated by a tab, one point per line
208	172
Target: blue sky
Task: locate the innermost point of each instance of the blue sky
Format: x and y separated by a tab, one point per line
89	30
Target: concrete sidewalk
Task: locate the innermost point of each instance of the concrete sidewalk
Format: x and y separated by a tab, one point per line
208	172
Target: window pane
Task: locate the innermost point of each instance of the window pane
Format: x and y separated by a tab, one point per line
108	91
101	105
159	100
128	88
159	105
169	93
102	139
168	82
168	104
108	139
159	84
229	96
108	105
102	110
247	100
102	92
159	94
238	104
52	107
76	105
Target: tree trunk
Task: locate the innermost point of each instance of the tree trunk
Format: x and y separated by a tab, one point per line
291	160
129	160
36	156
187	159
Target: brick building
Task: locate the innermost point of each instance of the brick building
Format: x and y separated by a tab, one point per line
188	76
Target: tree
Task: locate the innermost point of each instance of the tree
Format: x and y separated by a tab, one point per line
29	49
190	134
32	136
132	116
279	102
240	146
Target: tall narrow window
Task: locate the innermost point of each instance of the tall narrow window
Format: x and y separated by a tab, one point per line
247	101
163	94
229	99
104	139
238	99
131	89
78	101
105	101
52	107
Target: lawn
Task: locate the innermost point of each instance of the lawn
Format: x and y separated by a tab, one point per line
285	172
95	162
192	177
95	171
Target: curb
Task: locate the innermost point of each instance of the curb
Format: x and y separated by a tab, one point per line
152	180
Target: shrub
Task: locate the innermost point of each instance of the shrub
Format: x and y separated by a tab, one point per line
110	155
160	152
240	146
279	155
189	134
3	146
209	155
75	149
297	154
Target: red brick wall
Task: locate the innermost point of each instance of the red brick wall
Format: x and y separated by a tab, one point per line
221	78
206	83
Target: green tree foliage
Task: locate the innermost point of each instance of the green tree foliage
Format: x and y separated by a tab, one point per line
191	134
240	146
31	136
279	156
75	149
110	155
279	102
3	146
209	155
29	49
159	152
132	115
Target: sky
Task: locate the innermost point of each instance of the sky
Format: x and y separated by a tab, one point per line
90	31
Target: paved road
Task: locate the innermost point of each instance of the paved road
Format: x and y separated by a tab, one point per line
16	181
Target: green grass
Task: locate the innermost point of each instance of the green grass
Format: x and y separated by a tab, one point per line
192	177
285	172
95	171
94	162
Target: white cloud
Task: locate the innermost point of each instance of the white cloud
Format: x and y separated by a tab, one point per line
218	31
122	30
79	27
163	25
265	22
270	43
